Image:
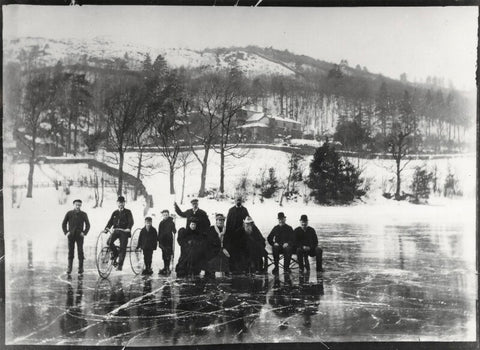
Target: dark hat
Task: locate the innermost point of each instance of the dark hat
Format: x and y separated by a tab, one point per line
303	218
121	199
219	216
194	200
148	218
195	220
281	215
77	200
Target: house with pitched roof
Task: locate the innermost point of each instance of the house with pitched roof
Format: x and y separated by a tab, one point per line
259	125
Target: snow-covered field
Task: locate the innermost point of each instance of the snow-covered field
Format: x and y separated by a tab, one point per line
378	173
44	212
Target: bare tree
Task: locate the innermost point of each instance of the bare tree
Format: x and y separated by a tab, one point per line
169	125
139	141
203	123
399	142
36	102
233	96
124	102
184	159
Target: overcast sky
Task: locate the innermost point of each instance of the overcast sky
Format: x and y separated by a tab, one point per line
419	41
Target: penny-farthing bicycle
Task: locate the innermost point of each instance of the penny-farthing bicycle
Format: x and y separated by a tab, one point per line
103	253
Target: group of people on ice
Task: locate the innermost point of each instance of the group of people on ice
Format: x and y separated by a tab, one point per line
231	245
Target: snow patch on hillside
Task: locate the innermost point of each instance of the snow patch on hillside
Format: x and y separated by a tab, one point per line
101	51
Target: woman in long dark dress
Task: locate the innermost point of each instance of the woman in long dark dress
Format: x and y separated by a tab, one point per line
192	250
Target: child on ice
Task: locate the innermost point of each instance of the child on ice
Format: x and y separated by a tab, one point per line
147	241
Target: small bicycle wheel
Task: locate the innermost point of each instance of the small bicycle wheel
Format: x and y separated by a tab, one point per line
136	255
103	255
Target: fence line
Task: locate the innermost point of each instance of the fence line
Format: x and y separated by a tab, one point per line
308	150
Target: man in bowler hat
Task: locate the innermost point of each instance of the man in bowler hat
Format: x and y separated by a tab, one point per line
121	221
306	242
281	238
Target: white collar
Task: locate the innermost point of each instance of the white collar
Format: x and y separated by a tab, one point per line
218	231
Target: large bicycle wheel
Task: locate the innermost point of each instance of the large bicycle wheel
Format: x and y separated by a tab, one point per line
103	255
136	255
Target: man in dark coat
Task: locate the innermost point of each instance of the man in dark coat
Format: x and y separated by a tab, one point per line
236	215
147	241
257	256
281	238
166	230
202	217
121	222
306	243
192	250
76	226
217	255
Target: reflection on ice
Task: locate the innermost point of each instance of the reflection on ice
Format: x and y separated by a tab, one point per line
395	283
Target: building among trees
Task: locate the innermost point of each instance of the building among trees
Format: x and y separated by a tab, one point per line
259	125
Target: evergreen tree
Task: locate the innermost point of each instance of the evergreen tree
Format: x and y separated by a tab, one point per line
333	179
269	185
421	184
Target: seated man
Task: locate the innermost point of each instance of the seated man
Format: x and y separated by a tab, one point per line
256	255
121	222
192	250
217	255
306	242
282	241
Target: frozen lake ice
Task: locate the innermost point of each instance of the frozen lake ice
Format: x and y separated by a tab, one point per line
406	281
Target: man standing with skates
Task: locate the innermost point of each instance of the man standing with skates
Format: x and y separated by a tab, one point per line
76	226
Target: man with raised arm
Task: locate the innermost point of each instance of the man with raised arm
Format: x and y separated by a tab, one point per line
203	222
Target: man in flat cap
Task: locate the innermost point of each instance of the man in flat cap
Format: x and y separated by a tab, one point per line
192	250
281	238
75	226
195	212
121	222
306	242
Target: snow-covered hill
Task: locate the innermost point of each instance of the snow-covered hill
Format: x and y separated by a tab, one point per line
102	52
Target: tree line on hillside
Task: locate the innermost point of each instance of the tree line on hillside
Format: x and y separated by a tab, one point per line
192	111
179	111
